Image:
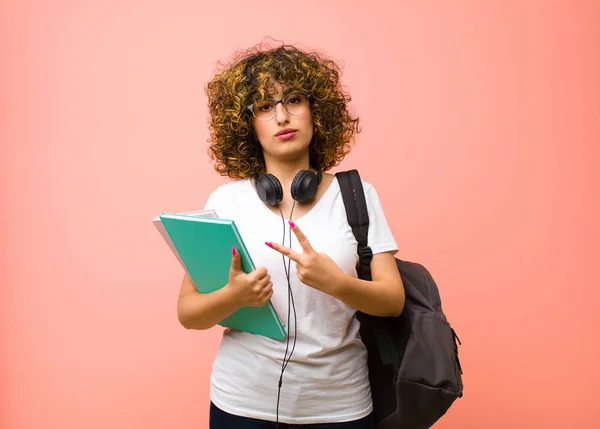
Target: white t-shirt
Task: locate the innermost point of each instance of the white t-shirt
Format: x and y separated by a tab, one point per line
327	379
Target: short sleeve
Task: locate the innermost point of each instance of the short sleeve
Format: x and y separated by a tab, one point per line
380	238
211	201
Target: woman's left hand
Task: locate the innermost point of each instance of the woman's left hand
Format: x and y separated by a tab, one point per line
314	269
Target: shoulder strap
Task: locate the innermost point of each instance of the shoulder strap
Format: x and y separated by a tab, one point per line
358	217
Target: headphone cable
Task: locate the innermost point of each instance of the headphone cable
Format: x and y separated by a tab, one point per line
290	299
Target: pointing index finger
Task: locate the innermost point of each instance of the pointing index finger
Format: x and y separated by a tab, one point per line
294	256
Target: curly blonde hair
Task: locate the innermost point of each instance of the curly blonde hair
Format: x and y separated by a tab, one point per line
233	143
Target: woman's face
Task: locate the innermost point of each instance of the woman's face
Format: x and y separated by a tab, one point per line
285	136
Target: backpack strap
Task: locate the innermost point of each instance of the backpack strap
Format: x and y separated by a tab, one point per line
357	213
358	217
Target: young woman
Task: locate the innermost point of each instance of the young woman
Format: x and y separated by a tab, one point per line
279	122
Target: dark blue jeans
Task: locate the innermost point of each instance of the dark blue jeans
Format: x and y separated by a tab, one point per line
219	419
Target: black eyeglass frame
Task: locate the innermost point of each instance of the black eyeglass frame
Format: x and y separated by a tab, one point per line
276	102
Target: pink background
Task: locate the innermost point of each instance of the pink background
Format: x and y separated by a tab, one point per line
481	131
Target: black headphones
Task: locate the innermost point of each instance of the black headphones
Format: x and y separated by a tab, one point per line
304	187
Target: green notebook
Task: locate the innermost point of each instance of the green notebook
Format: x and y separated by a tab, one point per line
203	245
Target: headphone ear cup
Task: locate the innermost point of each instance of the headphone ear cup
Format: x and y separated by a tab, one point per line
304	186
269	189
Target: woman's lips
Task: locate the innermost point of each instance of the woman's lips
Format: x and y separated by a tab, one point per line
286	134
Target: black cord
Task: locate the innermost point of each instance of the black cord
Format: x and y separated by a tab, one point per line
290	299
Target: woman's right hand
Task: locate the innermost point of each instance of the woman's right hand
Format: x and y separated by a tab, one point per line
248	290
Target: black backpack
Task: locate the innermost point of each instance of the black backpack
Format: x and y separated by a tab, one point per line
413	361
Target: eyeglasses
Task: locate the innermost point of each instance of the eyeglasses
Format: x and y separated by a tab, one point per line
295	104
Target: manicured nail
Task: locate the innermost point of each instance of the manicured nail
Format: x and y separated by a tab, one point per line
292	224
268	243
233	251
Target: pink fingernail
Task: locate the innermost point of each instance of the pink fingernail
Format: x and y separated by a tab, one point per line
233	251
268	243
292	224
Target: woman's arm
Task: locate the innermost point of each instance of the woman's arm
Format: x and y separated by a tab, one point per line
383	296
196	310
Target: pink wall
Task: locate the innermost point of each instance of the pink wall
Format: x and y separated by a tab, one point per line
481	131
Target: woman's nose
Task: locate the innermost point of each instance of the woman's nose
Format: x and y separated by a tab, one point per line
281	114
